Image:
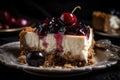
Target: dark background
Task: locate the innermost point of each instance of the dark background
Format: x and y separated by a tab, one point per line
41	9
37	10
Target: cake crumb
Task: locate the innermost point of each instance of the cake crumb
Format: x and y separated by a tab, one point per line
69	66
22	59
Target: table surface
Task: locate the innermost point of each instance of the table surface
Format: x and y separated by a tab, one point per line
111	73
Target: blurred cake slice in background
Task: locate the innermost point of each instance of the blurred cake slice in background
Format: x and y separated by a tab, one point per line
105	22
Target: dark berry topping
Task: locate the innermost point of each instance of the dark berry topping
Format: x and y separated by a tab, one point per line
55	25
82	30
35	58
66	24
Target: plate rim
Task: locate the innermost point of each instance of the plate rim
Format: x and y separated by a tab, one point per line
106	34
11	29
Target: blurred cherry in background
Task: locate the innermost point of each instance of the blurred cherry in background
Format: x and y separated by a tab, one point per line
7	21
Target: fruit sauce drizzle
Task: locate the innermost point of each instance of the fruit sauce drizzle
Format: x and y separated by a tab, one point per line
58	28
59	39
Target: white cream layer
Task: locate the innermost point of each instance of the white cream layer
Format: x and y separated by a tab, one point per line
77	45
114	22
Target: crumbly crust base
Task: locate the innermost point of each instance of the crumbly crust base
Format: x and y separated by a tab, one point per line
54	59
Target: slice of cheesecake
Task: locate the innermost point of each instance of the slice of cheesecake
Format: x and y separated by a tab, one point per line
58	42
59	49
104	22
75	44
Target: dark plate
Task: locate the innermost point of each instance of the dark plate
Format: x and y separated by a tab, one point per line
9	53
10	32
114	35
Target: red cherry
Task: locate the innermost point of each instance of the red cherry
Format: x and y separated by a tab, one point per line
6	26
23	22
12	21
69	18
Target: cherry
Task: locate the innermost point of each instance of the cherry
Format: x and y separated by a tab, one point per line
6	26
22	22
35	58
69	18
12	21
8	21
82	30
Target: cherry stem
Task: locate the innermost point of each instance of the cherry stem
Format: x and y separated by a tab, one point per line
75	8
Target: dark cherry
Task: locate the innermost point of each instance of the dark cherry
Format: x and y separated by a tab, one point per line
35	58
69	18
23	22
42	29
54	25
82	30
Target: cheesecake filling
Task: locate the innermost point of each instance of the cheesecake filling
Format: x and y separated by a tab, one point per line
75	44
114	22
